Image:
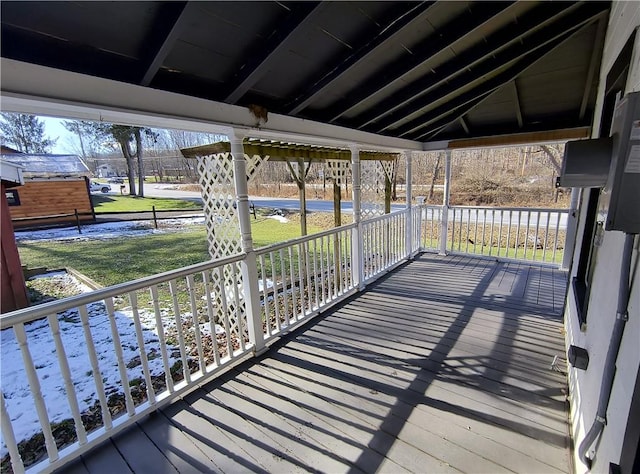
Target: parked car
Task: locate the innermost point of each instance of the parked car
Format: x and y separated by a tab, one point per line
95	187
116	180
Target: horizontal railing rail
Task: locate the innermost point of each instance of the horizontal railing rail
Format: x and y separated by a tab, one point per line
520	233
97	362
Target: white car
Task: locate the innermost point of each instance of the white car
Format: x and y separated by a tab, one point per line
95	187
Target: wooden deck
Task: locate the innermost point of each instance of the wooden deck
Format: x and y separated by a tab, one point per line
442	366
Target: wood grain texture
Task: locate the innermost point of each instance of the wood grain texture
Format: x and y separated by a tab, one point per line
441	366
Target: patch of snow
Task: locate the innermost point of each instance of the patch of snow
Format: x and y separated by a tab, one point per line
15	386
62	277
280	219
107	230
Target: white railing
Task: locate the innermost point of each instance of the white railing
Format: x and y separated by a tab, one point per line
383	242
431	223
116	354
96	363
528	234
297	279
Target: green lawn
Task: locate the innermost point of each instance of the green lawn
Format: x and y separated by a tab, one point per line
118	260
107	203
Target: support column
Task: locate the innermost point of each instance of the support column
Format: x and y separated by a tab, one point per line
572	229
409	217
248	265
444	222
356	240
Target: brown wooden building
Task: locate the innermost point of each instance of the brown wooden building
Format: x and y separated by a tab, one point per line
56	187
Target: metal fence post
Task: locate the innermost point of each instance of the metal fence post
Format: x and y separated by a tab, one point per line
248	265
444	222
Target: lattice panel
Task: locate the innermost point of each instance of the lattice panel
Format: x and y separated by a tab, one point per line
223	230
339	170
372	175
387	168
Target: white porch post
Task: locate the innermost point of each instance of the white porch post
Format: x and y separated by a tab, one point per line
356	239
248	265
572	228
409	220
445	203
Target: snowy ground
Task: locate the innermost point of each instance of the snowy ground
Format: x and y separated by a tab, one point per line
15	386
109	230
13	379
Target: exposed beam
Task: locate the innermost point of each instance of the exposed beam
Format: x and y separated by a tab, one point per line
393	73
522	138
169	25
516	100
281	151
596	54
458	109
401	17
254	68
531	21
526	47
465	126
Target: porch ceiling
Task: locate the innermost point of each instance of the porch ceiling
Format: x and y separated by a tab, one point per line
417	70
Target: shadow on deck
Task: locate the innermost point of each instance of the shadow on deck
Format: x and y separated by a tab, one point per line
442	366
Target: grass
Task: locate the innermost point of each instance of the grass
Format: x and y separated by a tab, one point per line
109	262
105	203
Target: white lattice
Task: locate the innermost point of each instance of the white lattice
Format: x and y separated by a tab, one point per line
387	168
339	170
372	176
223	230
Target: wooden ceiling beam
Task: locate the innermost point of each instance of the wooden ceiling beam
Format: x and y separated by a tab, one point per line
258	64
401	18
537	18
525	52
172	21
394	73
596	54
280	151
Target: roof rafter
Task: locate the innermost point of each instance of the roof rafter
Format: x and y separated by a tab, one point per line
596	53
170	23
515	52
516	100
258	64
392	73
465	125
401	18
537	18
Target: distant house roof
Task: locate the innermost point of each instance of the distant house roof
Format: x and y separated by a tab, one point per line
48	166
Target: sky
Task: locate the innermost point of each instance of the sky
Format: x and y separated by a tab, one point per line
54	128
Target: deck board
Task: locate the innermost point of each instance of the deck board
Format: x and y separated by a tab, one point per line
441	366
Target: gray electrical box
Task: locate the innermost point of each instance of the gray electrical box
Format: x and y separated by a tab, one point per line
586	163
620	199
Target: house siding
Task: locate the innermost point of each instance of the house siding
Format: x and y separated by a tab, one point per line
49	197
584	386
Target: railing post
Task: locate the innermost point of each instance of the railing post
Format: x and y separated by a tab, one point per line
444	222
356	237
409	216
572	228
248	265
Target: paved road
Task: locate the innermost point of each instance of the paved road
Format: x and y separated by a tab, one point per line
315	205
